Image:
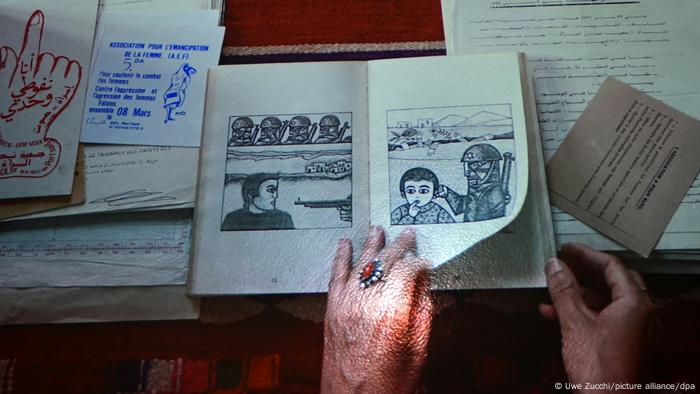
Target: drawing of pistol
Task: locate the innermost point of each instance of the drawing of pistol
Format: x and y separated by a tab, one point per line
344	206
508	160
324	203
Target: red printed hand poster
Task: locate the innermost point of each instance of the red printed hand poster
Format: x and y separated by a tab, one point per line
45	50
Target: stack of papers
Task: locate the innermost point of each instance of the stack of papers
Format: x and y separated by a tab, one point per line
572	49
135	100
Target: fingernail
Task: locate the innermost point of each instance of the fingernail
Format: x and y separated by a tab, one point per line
553	266
36	18
375	230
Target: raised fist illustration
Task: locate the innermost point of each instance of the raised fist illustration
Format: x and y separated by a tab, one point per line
35	88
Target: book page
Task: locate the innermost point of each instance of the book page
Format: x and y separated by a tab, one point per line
45	49
571	50
283	176
449	149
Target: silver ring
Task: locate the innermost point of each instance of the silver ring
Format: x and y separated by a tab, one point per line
371	273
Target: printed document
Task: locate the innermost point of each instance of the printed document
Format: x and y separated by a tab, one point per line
571	50
148	83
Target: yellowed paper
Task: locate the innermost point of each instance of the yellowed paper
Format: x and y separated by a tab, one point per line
626	165
25	206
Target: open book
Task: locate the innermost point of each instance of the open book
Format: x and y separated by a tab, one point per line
296	156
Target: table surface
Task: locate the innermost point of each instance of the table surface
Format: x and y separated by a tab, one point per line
483	341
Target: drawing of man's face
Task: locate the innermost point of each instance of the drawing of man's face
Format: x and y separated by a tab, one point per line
477	171
418	192
299	129
242	130
267	195
329	126
270	130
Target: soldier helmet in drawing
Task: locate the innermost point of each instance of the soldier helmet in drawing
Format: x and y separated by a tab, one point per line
329	121
271	122
481	152
300	121
242	123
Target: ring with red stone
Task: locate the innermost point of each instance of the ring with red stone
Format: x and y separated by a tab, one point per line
371	273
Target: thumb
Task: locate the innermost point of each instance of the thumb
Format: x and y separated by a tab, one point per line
566	294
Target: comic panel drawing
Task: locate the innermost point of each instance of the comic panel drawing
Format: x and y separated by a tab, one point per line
35	88
288	188
297	129
451	164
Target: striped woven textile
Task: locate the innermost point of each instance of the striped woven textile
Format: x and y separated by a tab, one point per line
7	375
319	30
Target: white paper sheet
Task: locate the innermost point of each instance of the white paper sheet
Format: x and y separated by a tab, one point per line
438	114
46	48
96	304
119	178
148	84
135	249
154	5
572	49
292	255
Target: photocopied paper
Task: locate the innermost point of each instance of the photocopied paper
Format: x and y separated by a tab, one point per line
572	49
138	249
43	305
306	160
119	178
148	84
26	206
456	126
153	5
626	165
45	49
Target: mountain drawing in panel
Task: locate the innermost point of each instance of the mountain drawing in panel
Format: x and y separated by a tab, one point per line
456	169
287	189
483	125
295	129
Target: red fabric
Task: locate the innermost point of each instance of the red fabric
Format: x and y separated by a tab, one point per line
281	22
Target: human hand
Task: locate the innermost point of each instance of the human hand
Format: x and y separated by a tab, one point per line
413	209
35	88
607	318
376	338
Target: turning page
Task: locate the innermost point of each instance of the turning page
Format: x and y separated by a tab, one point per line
449	149
283	176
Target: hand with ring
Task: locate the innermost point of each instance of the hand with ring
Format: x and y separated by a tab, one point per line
378	317
606	316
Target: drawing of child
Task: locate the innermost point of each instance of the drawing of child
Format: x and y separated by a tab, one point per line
418	186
